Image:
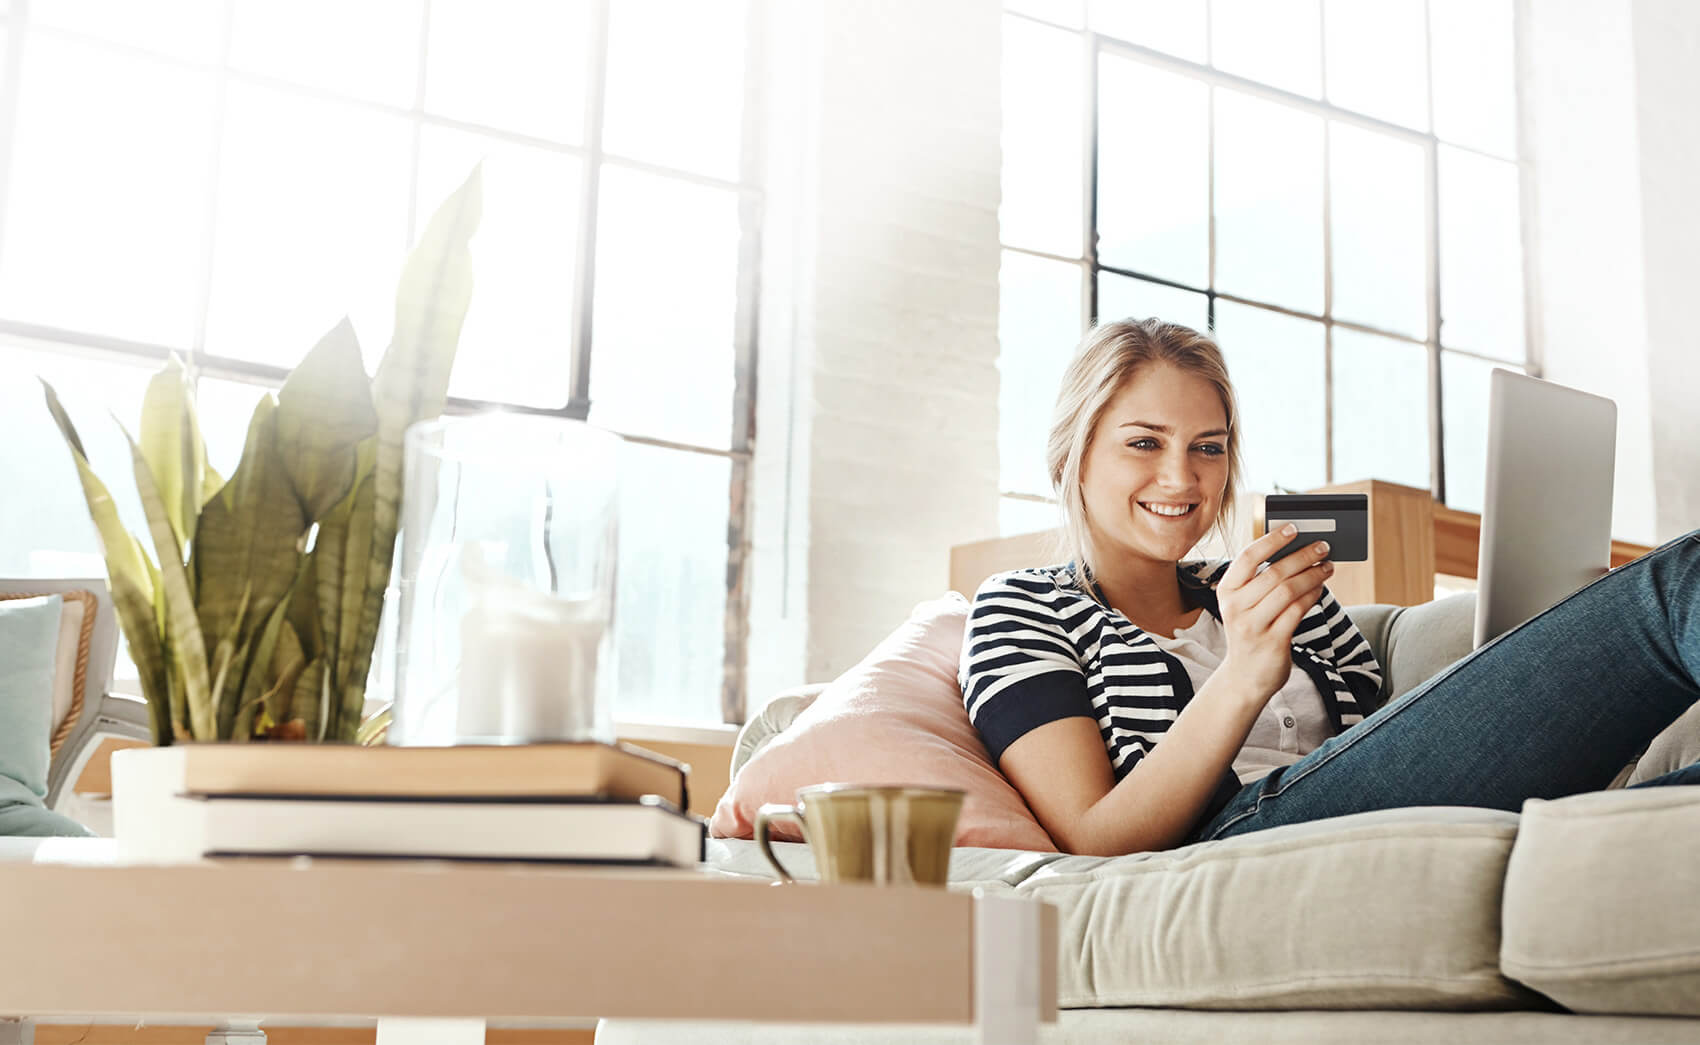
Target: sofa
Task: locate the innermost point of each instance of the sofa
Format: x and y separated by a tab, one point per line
1576	921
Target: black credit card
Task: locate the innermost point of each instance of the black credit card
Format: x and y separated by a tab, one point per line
1341	519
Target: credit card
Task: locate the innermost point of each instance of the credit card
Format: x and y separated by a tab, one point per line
1341	519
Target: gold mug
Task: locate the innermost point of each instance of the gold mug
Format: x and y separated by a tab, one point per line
884	835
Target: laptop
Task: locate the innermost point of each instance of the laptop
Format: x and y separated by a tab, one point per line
1546	520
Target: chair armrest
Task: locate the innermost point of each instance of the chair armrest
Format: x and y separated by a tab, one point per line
113	717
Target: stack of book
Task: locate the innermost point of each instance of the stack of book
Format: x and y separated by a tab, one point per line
583	802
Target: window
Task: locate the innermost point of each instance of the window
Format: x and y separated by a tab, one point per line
1332	186
224	179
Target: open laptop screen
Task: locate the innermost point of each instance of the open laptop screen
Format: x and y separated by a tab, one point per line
1546	516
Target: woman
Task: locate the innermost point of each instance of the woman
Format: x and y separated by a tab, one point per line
1141	703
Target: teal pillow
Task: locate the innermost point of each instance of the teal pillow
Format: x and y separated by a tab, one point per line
29	637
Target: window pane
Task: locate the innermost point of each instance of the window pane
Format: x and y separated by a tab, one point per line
1061	12
1377	223
1481	255
312	225
1377	63
368	50
1019	516
54	537
670	606
106	221
1268	202
1042	97
1153	171
1122	298
1381	423
533	83
676	97
1038	329
1464	420
666	296
1178	27
1277	42
1474	62
516	346
191	29
1276	363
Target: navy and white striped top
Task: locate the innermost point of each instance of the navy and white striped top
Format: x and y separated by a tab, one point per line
1038	649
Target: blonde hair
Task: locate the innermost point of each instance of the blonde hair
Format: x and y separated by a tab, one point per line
1110	356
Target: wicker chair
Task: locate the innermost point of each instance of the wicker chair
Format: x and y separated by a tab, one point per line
88	713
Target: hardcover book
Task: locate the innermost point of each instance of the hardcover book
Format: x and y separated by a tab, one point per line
552	770
646	831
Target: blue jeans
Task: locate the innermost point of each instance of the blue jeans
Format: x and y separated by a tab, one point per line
1557	706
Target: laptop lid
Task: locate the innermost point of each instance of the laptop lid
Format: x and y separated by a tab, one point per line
1546	518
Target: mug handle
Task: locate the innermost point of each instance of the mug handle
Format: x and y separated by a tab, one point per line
766	815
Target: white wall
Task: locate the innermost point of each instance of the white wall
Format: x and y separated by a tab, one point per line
1615	157
1667	55
877	424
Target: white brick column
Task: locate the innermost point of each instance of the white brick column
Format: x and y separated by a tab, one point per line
877	387
1607	91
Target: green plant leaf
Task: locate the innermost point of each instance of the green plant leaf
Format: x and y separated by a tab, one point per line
309	694
246	552
329	566
260	658
230	667
288	662
375	729
129	576
182	631
176	702
211	485
324	411
412	385
171	443
359	545
304	611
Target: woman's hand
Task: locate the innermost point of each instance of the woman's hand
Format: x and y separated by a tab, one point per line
1260	611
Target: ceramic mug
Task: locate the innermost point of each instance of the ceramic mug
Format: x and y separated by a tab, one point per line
884	835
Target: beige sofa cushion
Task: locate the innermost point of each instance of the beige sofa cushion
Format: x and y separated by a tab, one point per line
1602	901
1395	910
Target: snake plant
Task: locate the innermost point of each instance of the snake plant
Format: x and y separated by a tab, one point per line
257	612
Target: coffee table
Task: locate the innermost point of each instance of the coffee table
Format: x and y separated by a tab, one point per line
434	949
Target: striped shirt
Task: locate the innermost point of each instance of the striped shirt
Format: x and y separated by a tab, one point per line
1038	649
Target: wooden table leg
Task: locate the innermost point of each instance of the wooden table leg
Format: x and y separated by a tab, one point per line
1006	970
394	1030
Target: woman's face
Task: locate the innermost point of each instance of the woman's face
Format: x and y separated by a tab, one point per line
1157	467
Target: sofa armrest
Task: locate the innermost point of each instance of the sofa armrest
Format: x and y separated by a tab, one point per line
1415	643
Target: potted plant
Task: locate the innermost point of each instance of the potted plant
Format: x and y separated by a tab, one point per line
256	615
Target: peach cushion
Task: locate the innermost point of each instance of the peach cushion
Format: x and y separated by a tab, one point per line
895	718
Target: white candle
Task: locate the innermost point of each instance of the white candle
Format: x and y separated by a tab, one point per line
528	668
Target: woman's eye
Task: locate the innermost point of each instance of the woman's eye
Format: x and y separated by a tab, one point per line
1209	449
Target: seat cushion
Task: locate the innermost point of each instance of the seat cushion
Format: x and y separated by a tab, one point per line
1602	901
1395	909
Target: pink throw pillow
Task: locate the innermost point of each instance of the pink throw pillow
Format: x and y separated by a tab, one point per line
895	718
